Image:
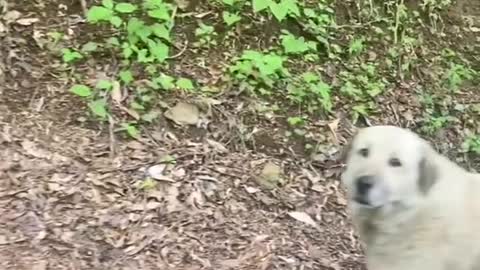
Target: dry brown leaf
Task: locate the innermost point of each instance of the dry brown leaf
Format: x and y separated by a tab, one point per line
12	16
270	176
3	29
27	21
33	150
303	217
40	265
116	92
251	190
333	126
156	171
183	114
217	146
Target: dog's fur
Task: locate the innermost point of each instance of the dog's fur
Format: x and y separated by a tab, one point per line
423	214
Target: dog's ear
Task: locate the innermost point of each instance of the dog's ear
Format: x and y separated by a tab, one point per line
428	170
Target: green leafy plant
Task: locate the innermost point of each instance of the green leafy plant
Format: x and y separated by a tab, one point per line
259	69
296	121
364	82
69	55
312	90
435	123
230	18
356	46
280	10
294	45
320	21
185	84
471	144
109	12
456	75
206	35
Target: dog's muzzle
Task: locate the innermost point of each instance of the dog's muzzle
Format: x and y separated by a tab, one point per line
363	186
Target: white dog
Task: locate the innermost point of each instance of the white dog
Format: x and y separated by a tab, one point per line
414	209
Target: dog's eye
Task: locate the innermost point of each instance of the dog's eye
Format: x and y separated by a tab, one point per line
394	162
363	152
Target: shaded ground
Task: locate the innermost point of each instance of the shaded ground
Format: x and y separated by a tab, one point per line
69	195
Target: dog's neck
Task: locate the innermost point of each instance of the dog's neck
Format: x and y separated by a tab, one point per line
390	219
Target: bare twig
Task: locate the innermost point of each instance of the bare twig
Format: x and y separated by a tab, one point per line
181	51
111	127
83	3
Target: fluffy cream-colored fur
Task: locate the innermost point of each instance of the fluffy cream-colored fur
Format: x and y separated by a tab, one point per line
422	211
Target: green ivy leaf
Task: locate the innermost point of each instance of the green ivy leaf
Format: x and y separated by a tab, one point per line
185	84
81	90
134	25
228	2
89	47
356	46
125	8
280	11
152	4
126	76
259	5
230	18
113	41
127	52
158	50
98	107
104	85
291	6
116	21
147	184
166	81
251	55
161	31
310	77
324	91
96	14
70	55
131	130
159	13
108	4
143	57
294	45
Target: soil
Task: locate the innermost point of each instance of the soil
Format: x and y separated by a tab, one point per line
69	196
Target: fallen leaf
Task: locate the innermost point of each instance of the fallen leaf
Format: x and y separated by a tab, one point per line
251	190
318	188
333	126
12	16
217	146
270	176
27	21
116	92
474	29
303	217
40	265
156	172
33	150
3	29
183	114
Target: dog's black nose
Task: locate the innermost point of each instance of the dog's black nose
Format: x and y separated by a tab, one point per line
364	184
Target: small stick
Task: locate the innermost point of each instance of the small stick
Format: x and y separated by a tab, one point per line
83	3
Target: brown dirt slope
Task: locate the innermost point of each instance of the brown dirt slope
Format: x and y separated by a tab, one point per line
72	198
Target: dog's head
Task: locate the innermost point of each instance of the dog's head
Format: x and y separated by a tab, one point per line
387	165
